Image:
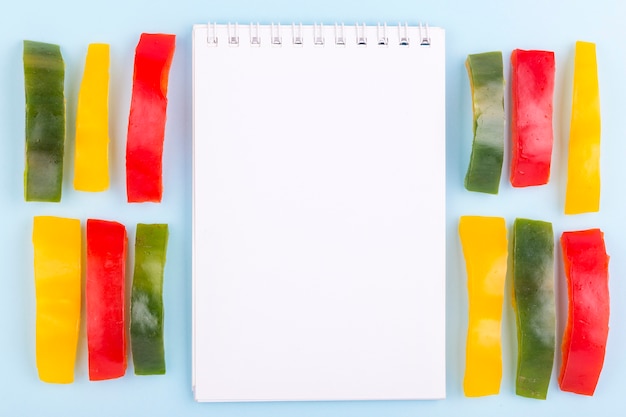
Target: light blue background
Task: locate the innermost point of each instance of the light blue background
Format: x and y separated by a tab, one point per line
472	26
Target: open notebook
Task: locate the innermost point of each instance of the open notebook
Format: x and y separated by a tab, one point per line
319	212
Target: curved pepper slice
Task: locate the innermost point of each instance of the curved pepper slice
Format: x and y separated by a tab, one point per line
485	249
535	311
487	84
582	194
57	256
584	341
44	77
146	123
91	159
532	90
146	306
105	289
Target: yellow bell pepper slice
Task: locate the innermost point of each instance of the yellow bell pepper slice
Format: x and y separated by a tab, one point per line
57	267
583	166
485	249
91	159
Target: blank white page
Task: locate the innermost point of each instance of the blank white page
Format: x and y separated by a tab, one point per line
319	213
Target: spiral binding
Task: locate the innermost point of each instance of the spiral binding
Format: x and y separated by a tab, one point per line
319	38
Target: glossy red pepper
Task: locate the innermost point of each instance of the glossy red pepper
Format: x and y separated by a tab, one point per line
105	299
584	341
532	90
146	122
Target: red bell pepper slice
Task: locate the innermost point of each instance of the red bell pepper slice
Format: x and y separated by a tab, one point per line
584	341
105	299
532	91
146	123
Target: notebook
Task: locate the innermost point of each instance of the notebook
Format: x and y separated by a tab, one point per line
318	212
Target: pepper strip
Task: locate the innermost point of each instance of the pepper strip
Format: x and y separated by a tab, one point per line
105	289
44	77
486	78
91	159
535	311
146	309
57	271
582	193
146	124
586	267
532	90
485	249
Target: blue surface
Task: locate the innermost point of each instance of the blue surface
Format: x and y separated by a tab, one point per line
475	26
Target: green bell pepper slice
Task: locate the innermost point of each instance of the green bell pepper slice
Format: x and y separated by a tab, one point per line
535	311
486	77
44	75
146	305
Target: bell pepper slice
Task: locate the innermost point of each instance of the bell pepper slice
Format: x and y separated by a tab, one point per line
586	266
146	123
534	303
485	249
91	155
105	298
486	78
44	77
532	91
57	271
582	193
146	308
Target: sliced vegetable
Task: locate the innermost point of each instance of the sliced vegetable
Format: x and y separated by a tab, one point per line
146	309
486	77
44	77
146	124
586	267
485	249
57	270
91	159
535	311
582	194
532	90
105	289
